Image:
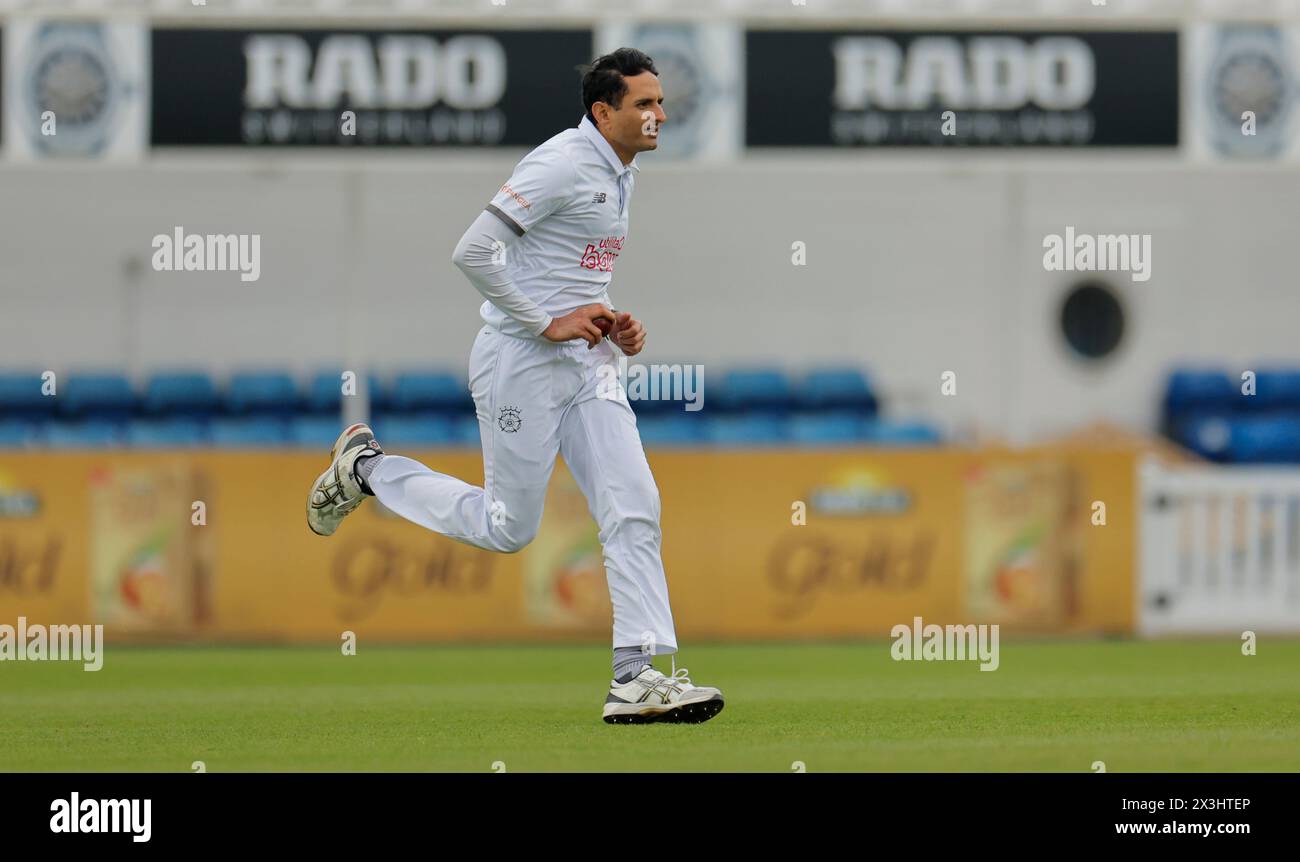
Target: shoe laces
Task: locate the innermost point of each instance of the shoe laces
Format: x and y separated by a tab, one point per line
679	674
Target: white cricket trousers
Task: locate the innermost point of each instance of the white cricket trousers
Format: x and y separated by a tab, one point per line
534	399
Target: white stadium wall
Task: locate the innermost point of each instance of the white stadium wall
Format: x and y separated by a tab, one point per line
915	266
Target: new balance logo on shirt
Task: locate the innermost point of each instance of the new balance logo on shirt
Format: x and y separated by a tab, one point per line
598	198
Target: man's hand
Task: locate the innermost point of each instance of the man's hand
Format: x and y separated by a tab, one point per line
628	334
581	323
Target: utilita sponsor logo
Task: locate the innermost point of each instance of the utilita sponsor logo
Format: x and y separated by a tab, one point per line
601	257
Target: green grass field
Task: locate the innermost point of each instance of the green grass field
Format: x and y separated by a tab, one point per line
1166	706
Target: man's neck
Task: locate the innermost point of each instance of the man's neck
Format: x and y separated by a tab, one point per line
624	156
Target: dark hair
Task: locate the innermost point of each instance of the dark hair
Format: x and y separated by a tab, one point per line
602	81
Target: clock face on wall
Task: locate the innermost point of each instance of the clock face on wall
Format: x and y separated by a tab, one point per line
72	88
686	80
73	83
1251	82
1248	91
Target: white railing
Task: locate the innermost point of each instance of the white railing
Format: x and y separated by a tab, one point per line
1218	549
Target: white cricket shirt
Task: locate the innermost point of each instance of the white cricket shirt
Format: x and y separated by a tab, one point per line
568	202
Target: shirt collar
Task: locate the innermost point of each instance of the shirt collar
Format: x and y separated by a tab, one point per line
591	133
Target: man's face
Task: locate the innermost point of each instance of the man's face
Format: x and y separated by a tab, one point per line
634	125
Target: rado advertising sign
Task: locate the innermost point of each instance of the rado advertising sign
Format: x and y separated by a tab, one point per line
983	89
332	88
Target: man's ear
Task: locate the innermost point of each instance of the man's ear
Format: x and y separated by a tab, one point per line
600	111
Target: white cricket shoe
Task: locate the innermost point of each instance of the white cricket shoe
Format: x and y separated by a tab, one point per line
652	696
338	491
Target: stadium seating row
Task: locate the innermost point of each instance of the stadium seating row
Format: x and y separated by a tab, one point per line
197	395
1222	419
435	429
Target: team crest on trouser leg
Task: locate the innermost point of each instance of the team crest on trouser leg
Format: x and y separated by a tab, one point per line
509	419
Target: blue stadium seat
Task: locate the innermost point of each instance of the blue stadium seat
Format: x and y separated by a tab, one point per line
1276	389
745	430
325	393
753	389
395	430
1208	434
180	394
836	388
256	432
828	429
20	396
262	393
165	433
1202	391
881	432
19	434
314	432
89	434
419	391
465	432
1264	440
653	407
672	429
98	395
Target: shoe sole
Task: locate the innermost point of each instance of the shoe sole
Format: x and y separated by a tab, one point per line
311	495
688	713
633	718
693	713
